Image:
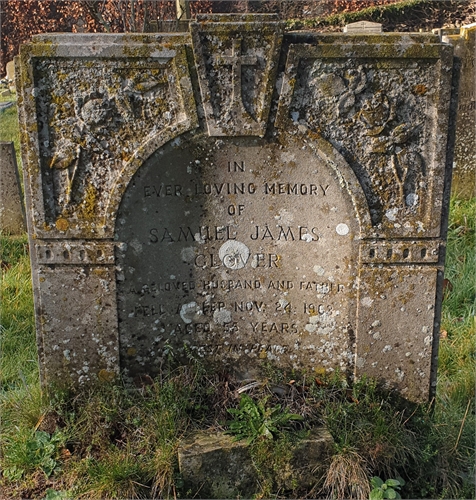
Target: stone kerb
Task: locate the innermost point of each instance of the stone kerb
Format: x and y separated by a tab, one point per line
243	200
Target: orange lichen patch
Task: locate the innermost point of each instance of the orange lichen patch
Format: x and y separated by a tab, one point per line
106	376
131	351
420	89
320	370
62	224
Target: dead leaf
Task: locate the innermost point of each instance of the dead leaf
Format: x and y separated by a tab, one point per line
350	396
447	285
5	265
40	421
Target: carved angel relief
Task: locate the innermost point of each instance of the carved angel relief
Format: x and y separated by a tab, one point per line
137	95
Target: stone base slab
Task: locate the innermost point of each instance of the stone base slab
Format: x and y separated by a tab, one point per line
213	465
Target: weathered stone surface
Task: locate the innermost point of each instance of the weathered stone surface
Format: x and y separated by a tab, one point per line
283	202
464	172
12	214
229	279
216	466
309	454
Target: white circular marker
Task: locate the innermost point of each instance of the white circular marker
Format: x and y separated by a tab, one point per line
342	229
234	254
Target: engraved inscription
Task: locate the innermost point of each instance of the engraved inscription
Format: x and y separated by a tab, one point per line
239	258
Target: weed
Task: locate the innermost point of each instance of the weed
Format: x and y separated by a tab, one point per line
52	494
387	489
28	452
253	420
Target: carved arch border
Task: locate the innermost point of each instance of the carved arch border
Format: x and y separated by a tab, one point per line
347	177
138	159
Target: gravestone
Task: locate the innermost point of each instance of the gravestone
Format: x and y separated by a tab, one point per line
10	69
237	195
81	25
464	173
12	214
363	27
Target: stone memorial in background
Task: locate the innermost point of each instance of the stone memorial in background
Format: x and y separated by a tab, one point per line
464	173
10	70
363	27
238	195
12	213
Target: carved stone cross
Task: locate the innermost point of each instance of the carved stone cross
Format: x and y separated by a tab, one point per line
236	61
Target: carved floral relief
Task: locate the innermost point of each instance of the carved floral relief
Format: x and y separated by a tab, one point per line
377	120
94	117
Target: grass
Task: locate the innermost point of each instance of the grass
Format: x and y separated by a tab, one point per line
9	131
18	363
456	374
114	441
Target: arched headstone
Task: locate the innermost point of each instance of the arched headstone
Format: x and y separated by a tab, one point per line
238	195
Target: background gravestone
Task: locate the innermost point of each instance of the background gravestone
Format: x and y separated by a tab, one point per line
464	174
12	215
10	69
281	200
363	27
